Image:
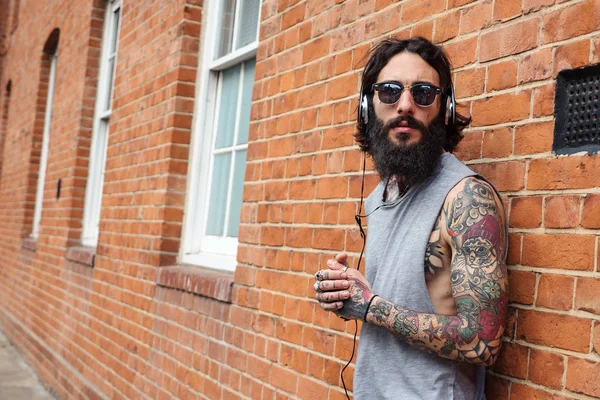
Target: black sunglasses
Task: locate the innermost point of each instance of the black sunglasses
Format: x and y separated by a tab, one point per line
423	93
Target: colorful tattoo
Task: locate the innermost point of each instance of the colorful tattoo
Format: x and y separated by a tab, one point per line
478	281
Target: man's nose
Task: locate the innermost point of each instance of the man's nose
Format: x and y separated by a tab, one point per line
406	104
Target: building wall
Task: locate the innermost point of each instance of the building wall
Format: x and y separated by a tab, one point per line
123	321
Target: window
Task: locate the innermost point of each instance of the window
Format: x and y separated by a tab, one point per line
4	123
218	160
108	62
39	197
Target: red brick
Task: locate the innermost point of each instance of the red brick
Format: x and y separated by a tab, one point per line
415	10
596	334
284	379
583	376
470	146
512	360
591	212
446	26
571	55
476	17
521	287
502	75
506	175
536	66
587	298
423	29
546	368
575	252
462	52
512	39
515	108
498	143
564	173
514	248
534	138
548	329
555	291
526	212
520	391
469	82
536	5
557	25
507	9
543	100
562	211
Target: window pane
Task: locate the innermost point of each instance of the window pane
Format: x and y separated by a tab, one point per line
110	69
228	106
218	195
236	193
115	30
225	28
249	67
248	22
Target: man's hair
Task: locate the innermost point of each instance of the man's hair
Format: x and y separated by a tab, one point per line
381	54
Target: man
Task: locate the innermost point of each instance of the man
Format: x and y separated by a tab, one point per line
434	297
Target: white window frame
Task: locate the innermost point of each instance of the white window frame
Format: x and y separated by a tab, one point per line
39	197
99	142
197	248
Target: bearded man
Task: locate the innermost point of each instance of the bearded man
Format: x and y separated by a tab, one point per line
434	299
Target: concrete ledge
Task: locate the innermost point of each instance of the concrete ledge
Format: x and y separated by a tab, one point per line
82	254
29	244
214	284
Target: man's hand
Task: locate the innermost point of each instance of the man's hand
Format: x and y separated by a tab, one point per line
342	290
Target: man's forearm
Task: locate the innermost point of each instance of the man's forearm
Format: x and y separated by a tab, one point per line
450	337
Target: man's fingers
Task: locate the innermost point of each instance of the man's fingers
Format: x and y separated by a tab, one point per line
331	306
328	274
326	286
330	297
342	258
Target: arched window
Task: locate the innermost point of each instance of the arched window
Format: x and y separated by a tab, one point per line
44	111
4	123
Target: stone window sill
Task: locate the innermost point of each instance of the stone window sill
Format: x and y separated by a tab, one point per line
203	282
29	244
82	255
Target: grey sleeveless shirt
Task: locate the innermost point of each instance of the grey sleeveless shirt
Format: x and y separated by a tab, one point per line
387	367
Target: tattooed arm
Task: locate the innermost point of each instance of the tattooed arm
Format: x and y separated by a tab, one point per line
474	230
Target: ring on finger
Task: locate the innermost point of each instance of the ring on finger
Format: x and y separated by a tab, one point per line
345	268
319	276
317	286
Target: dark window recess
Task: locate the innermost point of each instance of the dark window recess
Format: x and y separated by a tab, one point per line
577	125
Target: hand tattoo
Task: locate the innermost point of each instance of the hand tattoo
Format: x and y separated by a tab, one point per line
356	306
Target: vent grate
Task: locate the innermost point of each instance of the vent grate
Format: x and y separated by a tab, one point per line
576	109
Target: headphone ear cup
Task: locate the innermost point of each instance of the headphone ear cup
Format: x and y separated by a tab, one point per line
451	108
363	108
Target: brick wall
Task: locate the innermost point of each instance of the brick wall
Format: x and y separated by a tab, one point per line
112	331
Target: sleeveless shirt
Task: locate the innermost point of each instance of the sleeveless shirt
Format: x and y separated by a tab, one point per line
398	233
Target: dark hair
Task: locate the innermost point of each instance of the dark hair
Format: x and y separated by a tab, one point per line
381	54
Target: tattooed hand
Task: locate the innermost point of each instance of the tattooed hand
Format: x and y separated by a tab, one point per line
342	290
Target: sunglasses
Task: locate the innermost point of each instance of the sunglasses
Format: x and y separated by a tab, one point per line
423	93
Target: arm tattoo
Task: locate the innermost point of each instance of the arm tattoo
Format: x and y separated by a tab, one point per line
478	280
434	253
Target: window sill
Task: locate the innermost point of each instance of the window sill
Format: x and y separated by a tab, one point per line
82	255
29	244
214	284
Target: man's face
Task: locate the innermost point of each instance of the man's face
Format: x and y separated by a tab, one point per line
407	69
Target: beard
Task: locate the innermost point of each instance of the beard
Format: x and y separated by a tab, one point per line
413	163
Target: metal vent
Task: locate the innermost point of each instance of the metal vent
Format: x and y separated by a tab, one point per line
577	126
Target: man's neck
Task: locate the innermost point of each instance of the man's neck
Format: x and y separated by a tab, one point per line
395	188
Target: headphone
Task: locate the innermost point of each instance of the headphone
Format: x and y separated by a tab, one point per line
450	118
